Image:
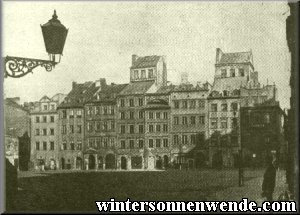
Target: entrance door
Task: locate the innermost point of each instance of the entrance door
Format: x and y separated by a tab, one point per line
123	163
92	162
63	163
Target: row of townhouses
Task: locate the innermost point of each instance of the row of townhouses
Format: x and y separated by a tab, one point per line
149	123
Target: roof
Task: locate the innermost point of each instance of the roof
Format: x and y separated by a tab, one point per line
11	103
137	88
144	62
165	89
158	104
107	93
79	94
236	57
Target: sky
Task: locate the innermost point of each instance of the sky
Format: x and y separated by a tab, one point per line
103	36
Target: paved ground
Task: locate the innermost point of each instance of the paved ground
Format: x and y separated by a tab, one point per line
78	190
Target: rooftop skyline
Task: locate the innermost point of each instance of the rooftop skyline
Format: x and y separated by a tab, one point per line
103	36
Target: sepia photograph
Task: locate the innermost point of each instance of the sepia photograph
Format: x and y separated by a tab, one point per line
149	106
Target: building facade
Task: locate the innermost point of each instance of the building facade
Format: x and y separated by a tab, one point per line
44	133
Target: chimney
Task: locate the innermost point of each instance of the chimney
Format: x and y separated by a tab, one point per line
102	82
133	59
73	84
219	54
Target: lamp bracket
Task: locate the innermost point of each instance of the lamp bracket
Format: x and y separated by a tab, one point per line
16	67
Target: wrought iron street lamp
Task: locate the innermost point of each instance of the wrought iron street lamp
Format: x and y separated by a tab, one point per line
55	35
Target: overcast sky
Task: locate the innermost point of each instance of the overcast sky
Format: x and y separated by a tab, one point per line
103	36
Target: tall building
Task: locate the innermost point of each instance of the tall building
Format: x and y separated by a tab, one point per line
100	126
189	124
235	85
44	132
71	125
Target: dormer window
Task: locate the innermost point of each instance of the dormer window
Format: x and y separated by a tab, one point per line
232	72
45	107
150	73
143	74
136	74
241	72
223	73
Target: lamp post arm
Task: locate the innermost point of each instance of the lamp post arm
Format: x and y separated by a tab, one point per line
16	67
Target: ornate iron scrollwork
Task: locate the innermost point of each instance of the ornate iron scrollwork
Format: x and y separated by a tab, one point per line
17	67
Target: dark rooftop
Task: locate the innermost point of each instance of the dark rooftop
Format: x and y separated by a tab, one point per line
144	62
237	57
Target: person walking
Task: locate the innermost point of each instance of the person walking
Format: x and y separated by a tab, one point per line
269	181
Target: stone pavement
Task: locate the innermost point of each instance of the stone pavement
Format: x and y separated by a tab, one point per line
252	188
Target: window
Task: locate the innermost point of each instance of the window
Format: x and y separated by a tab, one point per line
150	115
143	73
267	118
79	145
223	122
112	125
64	114
157	128
64	129
157	115
112	110
193	120
98	126
224	107
64	146
193	139
44	145
51	118
241	72
105	125
72	146
52	107
202	120
141	129
184	120
184	104
131	144
79	114
98	110
71	129
98	143
52	145
232	72
131	115
37	132
214	107
51	131
176	139
184	139
166	143
141	114
105	112
123	128
131	129
79	127
141	102
45	132
123	144
122	103
44	118
122	115
234	122
193	104
90	127
37	119
136	74
223	73
45	107
71	114
89	111
131	102
37	146
150	73
141	144
214	123
234	106
157	143
150	143
176	120
202	104
105	142
165	115
165	127
176	104
151	128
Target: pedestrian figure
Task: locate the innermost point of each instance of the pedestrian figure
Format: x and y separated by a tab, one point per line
269	180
